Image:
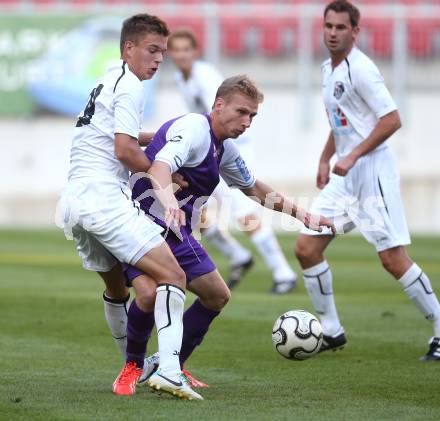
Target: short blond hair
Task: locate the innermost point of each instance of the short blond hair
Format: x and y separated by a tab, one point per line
239	84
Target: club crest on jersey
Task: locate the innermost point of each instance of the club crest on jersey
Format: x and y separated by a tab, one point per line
339	90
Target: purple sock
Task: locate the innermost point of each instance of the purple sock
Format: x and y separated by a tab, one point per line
196	321
139	327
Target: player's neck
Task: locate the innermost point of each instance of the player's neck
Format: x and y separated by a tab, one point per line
186	73
338	58
216	129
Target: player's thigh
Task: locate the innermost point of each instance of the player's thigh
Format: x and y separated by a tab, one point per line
160	264
311	246
114	280
211	289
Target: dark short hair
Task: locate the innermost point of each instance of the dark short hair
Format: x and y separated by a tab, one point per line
185	34
340	6
239	84
141	24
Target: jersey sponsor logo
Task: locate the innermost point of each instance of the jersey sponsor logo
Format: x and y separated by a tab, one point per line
241	165
176	138
339	118
338	90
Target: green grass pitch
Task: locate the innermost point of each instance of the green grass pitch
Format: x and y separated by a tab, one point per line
58	360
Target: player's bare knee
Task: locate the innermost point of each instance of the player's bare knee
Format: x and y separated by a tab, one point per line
175	276
303	249
389	262
145	300
217	300
225	297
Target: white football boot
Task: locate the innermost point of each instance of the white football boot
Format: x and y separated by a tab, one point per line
176	385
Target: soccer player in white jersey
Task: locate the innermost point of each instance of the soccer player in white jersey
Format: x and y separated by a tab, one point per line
97	208
363	190
198	82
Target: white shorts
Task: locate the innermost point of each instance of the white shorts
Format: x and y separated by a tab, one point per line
367	198
107	225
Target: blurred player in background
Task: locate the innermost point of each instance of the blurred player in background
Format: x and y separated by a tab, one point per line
199	147
198	82
107	225
363	190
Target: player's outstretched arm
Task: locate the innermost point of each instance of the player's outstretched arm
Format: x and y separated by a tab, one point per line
269	198
128	151
160	175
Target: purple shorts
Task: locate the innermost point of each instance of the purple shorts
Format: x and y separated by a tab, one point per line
191	256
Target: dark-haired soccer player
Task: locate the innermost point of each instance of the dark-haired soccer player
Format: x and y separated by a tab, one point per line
363	190
97	208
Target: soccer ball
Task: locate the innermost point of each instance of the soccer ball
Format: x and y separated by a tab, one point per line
297	335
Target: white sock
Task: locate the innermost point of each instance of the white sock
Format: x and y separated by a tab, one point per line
418	288
318	281
168	313
116	315
269	249
226	245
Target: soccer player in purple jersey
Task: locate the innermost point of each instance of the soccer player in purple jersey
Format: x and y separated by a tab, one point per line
199	147
198	82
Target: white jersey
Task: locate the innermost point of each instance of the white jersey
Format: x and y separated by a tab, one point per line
188	142
355	98
115	106
200	88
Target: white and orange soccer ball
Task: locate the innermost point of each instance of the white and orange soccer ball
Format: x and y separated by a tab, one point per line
297	335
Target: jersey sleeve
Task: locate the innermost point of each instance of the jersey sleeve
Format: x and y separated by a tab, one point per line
233	169
370	85
129	104
184	143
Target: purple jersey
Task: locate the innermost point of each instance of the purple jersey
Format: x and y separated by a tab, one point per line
202	178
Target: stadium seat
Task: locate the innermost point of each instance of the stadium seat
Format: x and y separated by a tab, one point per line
196	25
278	36
233	35
44	2
378	33
421	35
111	2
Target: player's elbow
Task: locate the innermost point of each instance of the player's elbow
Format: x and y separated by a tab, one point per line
397	122
394	121
125	147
